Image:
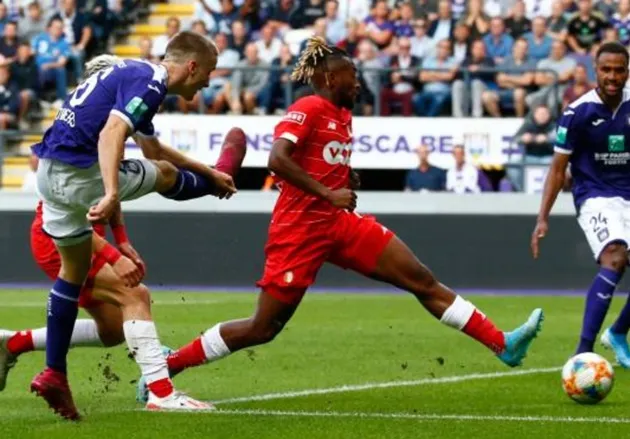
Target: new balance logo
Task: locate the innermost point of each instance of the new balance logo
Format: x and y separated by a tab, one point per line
154	88
604	296
598	122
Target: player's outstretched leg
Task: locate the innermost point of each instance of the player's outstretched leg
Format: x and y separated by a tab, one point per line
398	266
188	185
613	260
226	338
143	343
104	331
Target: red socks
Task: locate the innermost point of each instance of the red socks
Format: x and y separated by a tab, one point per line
22	341
161	388
188	356
483	330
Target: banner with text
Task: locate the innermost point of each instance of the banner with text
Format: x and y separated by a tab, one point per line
379	143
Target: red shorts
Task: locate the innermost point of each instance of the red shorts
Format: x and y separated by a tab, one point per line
48	259
294	255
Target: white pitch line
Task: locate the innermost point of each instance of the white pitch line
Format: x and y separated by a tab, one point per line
425	417
386	385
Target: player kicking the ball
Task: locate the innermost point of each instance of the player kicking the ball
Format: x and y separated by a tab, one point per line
592	136
81	179
313	222
106	290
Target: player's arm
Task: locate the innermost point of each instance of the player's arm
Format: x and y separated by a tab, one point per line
153	149
554	182
111	144
281	163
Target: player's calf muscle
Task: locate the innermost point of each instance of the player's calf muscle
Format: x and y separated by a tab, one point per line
167	175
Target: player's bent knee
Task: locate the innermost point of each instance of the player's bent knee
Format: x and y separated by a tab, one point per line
112	338
167	175
262	334
615	256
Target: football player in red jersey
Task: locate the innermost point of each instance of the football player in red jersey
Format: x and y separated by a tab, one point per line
108	286
314	222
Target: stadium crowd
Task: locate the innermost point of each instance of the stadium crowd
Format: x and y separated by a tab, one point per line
465	58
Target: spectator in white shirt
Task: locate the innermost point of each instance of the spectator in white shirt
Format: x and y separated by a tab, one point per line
335	24
160	42
422	45
463	177
268	45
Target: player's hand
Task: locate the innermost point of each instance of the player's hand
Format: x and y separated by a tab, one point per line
130	273
103	210
127	250
355	180
225	187
539	233
343	199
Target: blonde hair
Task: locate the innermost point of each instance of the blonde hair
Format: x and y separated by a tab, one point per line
99	63
311	58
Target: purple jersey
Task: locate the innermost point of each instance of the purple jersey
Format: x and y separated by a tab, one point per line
595	137
132	90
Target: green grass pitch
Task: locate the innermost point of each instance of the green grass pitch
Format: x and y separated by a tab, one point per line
347	366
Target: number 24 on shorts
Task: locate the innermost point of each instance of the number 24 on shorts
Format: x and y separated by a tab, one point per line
599	222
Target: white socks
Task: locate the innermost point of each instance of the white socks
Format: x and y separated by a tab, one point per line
85	333
458	314
145	347
213	344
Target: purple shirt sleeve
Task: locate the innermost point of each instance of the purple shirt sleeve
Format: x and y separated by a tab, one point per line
137	100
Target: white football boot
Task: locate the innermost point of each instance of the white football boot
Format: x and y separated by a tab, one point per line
7	359
177	401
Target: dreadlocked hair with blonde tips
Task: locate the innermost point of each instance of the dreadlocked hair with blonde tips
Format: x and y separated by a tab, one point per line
313	57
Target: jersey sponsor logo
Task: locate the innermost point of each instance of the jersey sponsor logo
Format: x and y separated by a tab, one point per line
561	135
616	143
295	117
66	115
136	107
598	122
337	153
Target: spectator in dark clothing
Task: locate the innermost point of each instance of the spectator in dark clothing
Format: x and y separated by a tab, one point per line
238	39
9	43
578	87
425	9
476	19
585	28
229	14
101	22
536	136
274	94
425	177
351	43
306	13
518	24
461	42
250	12
77	33
9	99
401	84
25	76
466	95
556	23
280	14
444	24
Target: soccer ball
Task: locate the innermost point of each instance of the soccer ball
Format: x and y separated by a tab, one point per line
587	378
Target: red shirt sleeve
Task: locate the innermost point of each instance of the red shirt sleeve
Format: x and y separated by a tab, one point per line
297	123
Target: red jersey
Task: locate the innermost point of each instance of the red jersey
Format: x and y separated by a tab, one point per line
322	134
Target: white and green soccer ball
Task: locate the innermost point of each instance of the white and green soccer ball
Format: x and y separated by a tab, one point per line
587	378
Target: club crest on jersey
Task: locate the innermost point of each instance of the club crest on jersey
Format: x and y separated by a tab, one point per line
337	153
295	117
